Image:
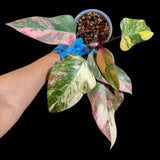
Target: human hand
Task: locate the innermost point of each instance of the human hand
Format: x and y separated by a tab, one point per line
76	48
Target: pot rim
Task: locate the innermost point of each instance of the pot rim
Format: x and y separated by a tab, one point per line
101	13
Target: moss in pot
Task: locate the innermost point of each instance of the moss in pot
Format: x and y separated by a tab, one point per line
97	75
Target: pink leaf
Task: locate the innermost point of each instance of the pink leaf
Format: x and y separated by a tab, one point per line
104	102
124	81
56	30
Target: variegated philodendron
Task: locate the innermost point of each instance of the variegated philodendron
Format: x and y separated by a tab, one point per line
99	77
68	81
105	99
133	31
56	30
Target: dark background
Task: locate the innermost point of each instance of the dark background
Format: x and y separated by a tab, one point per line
74	133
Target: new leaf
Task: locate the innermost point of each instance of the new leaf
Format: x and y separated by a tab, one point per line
125	84
68	81
106	64
133	31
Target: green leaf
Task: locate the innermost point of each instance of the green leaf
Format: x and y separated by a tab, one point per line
133	31
91	60
104	102
106	64
56	30
68	81
125	83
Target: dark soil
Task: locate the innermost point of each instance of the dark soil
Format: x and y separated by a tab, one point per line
92	27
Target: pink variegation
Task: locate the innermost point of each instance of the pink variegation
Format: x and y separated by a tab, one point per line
104	103
54	31
125	84
105	99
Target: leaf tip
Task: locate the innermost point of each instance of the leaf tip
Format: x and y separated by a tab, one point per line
8	24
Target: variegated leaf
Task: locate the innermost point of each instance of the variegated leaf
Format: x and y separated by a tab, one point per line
68	81
106	64
91	60
56	30
105	101
133	31
125	83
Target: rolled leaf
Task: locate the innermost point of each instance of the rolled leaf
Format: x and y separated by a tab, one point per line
56	30
68	81
104	102
125	83
106	64
133	31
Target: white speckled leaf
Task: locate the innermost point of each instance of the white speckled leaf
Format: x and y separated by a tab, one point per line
68	81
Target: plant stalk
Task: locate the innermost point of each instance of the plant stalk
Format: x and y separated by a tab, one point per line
111	40
91	30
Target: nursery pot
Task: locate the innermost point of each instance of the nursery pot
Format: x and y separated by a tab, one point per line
92	24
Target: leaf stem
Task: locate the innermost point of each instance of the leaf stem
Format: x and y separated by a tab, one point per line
111	40
102	44
91	30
